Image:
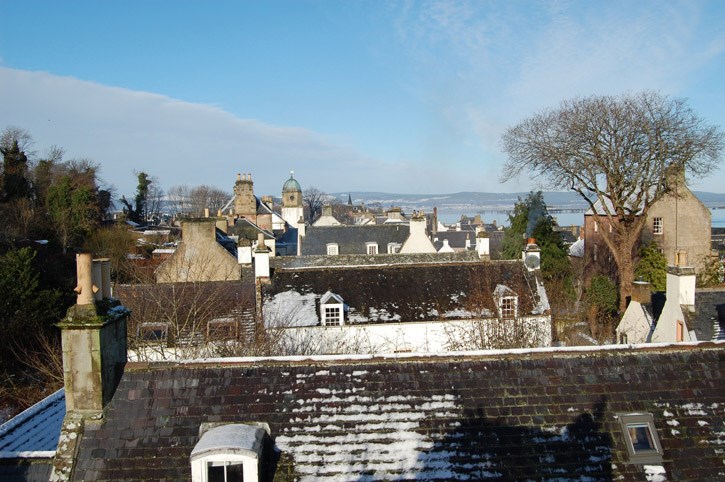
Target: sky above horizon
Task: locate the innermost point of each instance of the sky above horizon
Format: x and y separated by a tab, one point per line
405	97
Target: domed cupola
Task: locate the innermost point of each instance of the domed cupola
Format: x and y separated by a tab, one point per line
291	192
291	184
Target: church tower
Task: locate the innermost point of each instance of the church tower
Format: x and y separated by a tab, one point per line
245	204
292	201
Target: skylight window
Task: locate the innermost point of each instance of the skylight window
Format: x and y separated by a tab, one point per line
640	437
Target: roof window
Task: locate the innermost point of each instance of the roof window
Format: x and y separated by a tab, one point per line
640	438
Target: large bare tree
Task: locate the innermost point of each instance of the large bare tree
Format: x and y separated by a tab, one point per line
620	154
313	200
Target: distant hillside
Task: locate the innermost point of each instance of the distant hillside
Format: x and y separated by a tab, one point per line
482	201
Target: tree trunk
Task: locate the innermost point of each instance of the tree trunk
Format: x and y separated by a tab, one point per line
626	275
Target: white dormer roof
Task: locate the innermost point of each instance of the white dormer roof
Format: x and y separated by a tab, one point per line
331	298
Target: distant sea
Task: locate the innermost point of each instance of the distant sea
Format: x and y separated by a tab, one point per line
563	219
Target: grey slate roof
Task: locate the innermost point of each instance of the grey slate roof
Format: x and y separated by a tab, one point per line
246	229
518	415
405	292
708	320
352	239
456	239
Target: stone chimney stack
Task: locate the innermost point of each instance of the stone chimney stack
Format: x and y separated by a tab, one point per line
94	341
301	230
681	285
327	209
642	292
483	245
261	259
418	241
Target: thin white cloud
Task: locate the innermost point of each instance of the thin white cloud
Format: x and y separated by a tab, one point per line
179	142
490	64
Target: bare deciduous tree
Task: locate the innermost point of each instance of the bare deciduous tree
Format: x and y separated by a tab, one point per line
203	197
313	200
620	154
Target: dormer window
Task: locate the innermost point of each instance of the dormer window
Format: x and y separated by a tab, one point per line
371	248
332	309
394	248
333	249
640	438
228	453
508	307
507	301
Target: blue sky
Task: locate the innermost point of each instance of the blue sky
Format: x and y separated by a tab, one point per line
407	97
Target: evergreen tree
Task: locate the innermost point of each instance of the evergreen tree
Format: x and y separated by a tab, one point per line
137	211
530	219
15	184
24	306
652	267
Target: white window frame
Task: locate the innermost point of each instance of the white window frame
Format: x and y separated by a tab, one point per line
245	451
333	249
632	425
371	248
508	307
332	315
658	226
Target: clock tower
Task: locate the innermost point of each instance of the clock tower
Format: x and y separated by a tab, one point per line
292	201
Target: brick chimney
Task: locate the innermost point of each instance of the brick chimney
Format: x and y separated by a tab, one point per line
93	335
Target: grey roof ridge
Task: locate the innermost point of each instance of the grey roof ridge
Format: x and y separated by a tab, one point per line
496	354
401	264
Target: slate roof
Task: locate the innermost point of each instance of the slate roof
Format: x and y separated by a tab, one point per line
28	440
547	414
708	320
410	291
35	429
352	239
456	239
246	229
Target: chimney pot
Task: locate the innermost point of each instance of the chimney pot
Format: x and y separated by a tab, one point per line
84	272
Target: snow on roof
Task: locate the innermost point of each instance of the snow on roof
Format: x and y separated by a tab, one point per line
35	431
577	249
291	308
234	438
